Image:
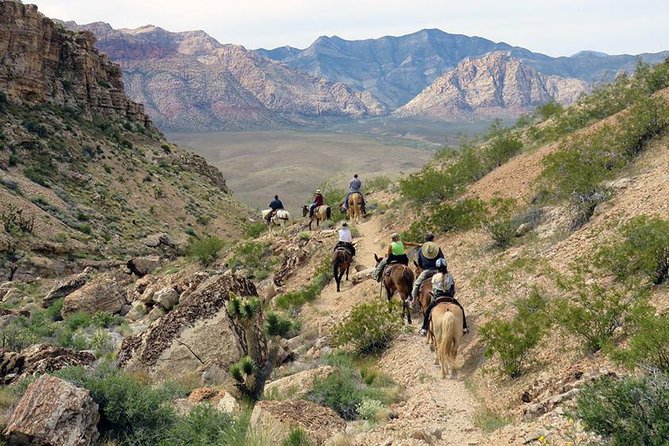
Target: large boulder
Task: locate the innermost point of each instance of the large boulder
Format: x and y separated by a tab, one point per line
105	293
67	286
141	266
279	418
196	335
298	384
39	358
54	412
166	298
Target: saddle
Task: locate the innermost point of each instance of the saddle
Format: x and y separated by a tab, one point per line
388	268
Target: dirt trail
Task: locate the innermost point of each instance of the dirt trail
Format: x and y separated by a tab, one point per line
436	410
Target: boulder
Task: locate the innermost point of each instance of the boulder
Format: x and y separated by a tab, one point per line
363	275
137	311
141	266
279	418
54	412
105	293
160	239
166	298
192	337
218	398
39	358
298	384
67	286
523	229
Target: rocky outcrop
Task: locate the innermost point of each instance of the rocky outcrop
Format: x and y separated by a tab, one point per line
40	61
279	418
298	384
106	293
54	412
227	86
67	286
196	335
495	85
39	359
141	266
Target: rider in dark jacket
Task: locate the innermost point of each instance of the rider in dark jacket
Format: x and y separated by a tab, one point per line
274	206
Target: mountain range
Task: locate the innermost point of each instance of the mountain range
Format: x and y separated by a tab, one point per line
189	81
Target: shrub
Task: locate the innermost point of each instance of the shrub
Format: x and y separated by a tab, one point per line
594	313
513	340
370	327
643	250
627	411
255	257
254	230
297	437
649	346
35	128
205	426
293	300
13	159
205	250
379	183
502	226
501	149
369	409
549	110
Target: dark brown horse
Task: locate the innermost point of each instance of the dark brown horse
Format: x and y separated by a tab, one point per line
321	213
341	261
424	292
399	279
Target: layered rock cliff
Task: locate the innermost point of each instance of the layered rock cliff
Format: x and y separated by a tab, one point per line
189	81
495	85
41	62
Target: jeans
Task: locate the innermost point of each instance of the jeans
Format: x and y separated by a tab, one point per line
419	281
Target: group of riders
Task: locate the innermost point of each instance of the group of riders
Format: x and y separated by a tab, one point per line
431	258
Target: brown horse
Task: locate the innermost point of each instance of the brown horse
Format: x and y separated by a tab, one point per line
354	209
424	292
445	334
400	279
341	261
321	213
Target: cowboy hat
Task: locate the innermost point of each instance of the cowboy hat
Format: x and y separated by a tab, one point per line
430	250
318	191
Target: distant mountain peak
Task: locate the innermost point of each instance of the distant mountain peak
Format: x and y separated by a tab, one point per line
590	53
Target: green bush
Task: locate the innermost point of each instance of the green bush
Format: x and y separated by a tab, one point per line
595	313
629	411
648	348
462	215
297	437
205	250
513	340
255	257
370	327
254	230
379	183
294	300
500	150
502	225
643	250
549	110
206	426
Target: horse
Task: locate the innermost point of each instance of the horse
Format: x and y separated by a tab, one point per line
354	207
281	218
321	213
341	261
424	292
445	334
400	279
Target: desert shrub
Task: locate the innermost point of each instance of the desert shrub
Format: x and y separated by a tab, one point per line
549	110
370	327
462	215
627	411
369	409
205	250
643	250
13	220
501	149
379	183
648	347
513	340
502	225
255	257
13	159
205	426
35	128
131	412
489	420
254	230
594	313
297	437
293	300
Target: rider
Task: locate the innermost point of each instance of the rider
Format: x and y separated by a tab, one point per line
345	239
443	287
354	186
274	206
395	253
428	254
318	201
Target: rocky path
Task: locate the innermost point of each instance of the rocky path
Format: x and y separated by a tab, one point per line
435	411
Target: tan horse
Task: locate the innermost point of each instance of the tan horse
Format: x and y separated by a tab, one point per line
321	213
445	334
354	210
341	261
281	218
399	279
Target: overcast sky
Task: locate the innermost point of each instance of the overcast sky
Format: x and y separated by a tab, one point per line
554	27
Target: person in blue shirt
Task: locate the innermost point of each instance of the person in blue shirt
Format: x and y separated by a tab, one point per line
354	186
274	205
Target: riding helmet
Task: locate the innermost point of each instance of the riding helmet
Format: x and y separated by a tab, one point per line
440	263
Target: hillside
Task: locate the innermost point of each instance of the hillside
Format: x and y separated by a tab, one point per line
397	68
85	176
189	81
492	86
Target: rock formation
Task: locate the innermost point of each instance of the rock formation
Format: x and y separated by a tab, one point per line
54	412
39	358
495	85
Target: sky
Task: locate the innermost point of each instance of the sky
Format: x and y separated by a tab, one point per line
553	27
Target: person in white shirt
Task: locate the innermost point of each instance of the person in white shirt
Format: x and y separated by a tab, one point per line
345	239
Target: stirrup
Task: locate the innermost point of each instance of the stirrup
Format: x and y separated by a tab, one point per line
465	330
422	332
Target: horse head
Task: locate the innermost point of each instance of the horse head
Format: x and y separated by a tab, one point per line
377	258
305	210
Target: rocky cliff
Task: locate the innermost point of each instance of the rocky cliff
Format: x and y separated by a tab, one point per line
189	81
495	85
40	62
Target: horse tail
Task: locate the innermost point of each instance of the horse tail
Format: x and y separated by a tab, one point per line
446	339
328	212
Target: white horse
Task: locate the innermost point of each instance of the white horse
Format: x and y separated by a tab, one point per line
280	218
